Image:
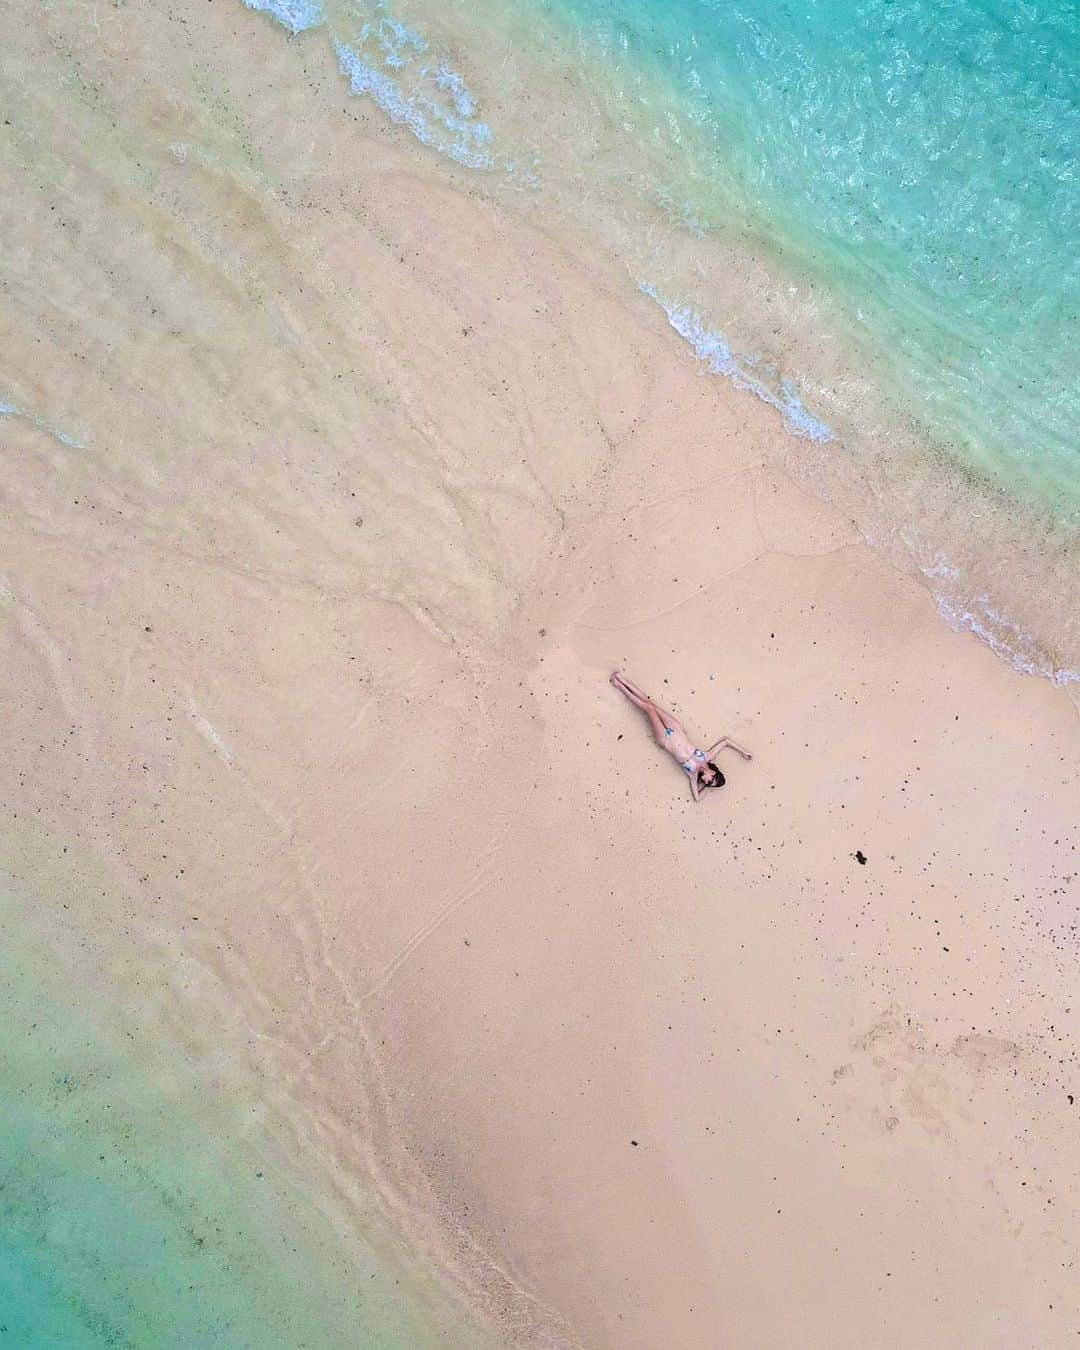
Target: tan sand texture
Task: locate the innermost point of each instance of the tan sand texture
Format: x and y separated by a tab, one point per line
307	642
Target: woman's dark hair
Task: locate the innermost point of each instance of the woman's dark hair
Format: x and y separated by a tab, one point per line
719	780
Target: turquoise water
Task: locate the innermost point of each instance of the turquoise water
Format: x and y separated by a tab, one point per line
922	162
142	1202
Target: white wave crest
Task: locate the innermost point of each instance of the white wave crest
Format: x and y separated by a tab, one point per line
711	348
295	15
65	438
1004	638
429	98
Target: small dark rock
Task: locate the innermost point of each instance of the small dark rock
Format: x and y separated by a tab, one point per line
860	857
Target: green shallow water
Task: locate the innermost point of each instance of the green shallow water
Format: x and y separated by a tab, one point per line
144	1202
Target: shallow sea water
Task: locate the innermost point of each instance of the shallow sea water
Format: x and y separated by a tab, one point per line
921	162
145	1200
867	212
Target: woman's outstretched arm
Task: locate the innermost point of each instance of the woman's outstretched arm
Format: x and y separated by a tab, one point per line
724	742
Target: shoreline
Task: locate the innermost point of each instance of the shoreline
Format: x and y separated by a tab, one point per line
986	545
344	495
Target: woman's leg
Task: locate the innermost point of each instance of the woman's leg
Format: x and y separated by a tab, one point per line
635	695
658	719
639	699
632	692
658	725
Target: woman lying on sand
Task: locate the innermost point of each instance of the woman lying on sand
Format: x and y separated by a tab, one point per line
669	731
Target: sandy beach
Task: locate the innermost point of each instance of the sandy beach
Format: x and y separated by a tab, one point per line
332	496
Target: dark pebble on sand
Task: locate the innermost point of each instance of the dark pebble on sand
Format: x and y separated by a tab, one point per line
633	1143
860	856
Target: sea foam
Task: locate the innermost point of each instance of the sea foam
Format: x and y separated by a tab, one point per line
712	349
387	61
8	409
295	15
1004	638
